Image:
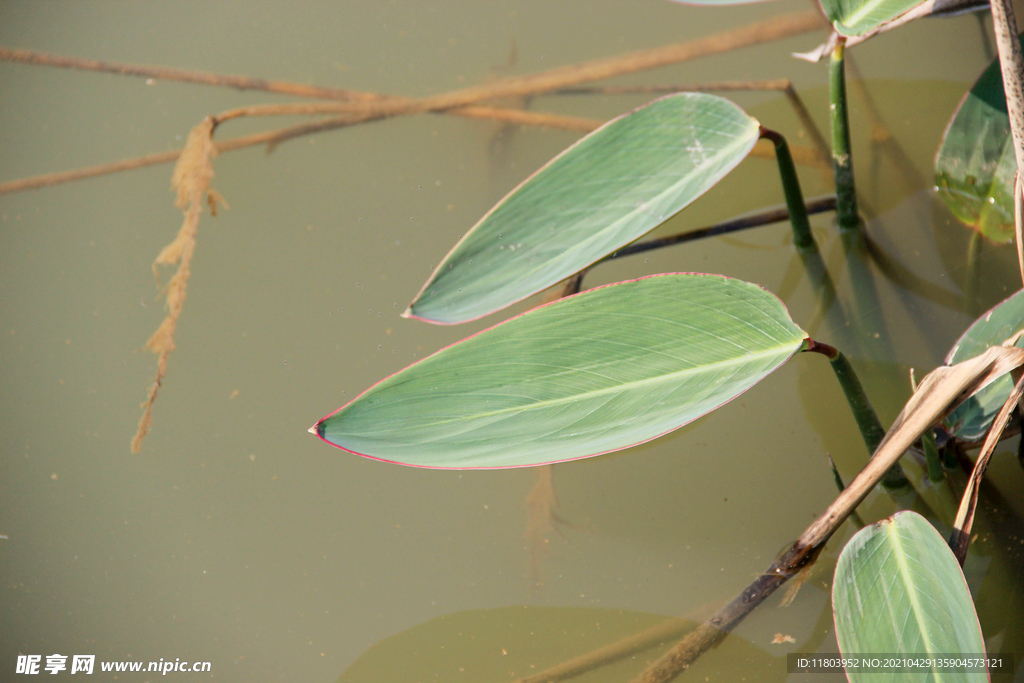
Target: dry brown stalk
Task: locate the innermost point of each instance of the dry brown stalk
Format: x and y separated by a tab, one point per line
373	106
182	75
273	138
50	179
282	87
801	154
369	106
703	86
969	501
939	392
191	180
774	28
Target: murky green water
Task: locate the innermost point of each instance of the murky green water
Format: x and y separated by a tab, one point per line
239	539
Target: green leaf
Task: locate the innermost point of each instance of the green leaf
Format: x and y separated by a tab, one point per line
899	590
975	165
605	191
857	17
972	419
592	373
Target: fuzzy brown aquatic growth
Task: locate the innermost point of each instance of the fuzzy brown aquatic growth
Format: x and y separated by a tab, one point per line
191	180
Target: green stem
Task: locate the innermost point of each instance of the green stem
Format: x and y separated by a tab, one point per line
846	207
867	420
802	237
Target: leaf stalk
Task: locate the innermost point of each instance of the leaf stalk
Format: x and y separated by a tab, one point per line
802	237
864	414
847	217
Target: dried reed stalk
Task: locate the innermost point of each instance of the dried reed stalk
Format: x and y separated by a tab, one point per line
771	29
372	106
939	392
802	154
191	180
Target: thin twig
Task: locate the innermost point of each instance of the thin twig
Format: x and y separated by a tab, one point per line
703	86
820	144
776	215
801	154
271	137
281	87
182	75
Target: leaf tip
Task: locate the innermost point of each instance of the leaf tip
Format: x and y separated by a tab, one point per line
316	430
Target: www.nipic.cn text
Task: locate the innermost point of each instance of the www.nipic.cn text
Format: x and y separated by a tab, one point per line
86	664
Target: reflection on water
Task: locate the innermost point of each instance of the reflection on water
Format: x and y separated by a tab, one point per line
236	538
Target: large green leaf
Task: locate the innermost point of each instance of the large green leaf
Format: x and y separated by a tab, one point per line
605	191
596	372
857	17
971	420
899	590
975	165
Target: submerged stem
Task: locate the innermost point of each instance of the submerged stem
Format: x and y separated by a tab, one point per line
847	217
802	237
863	412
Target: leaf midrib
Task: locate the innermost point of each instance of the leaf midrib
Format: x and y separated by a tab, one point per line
864	10
900	555
626	386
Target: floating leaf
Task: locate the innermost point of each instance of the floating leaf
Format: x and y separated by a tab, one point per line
857	17
592	373
605	191
898	589
974	416
975	165
505	643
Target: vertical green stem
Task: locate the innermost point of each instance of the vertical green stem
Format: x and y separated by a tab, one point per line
931	454
867	420
846	206
802	237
